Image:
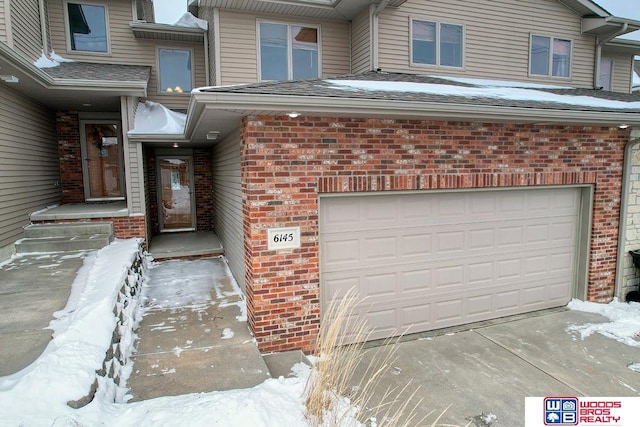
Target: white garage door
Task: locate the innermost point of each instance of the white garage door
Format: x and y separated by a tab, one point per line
431	260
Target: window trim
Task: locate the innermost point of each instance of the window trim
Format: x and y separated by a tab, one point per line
438	58
550	66
67	30
193	75
289	24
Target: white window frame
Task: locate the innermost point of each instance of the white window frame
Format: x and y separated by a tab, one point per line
289	46
161	91
67	31
438	59
550	59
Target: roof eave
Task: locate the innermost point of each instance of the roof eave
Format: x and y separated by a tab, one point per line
124	88
243	103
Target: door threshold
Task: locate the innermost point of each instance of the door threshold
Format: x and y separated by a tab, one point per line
178	230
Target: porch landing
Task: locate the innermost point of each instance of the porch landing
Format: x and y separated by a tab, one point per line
82	211
185	245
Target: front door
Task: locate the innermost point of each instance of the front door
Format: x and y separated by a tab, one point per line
102	165
176	194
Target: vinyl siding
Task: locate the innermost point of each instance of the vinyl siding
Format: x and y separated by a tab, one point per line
361	43
26	30
126	49
238	45
28	144
206	13
497	34
227	191
133	159
3	22
622	69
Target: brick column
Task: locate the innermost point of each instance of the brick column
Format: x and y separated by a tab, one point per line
69	152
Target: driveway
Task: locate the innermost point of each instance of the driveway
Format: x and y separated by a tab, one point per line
491	369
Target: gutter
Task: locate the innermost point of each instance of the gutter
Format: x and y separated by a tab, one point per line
43	28
634	140
373	22
598	54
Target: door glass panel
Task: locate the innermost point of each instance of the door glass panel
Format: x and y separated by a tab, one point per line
176	191
103	160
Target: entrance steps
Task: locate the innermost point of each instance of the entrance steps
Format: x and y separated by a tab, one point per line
65	237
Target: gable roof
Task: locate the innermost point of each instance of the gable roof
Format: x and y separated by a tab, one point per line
397	95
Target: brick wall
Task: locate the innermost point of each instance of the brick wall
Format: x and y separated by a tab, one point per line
71	182
286	165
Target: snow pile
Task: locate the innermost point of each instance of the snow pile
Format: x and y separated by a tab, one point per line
54	60
499	90
154	118
190	21
625	320
82	334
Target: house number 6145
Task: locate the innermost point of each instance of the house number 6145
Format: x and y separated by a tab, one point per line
283	238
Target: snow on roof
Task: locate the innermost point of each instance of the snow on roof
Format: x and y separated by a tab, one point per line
500	83
188	20
53	60
154	118
497	91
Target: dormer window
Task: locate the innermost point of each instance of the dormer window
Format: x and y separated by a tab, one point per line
87	27
288	51
175	71
550	56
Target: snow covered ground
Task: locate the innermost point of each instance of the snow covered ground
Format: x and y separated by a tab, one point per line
38	395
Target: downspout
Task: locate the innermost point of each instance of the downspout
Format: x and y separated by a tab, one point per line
634	140
374	33
599	43
43	28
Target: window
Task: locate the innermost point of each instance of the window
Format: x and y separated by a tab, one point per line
288	51
87	25
606	71
174	69
550	56
434	43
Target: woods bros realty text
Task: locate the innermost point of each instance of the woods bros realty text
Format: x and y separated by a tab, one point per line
583	411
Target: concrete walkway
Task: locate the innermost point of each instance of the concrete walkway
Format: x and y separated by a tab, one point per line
194	337
492	369
32	288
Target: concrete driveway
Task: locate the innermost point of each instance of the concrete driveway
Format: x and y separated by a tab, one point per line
492	368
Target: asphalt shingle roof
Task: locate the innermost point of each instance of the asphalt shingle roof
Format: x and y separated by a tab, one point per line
97	71
324	88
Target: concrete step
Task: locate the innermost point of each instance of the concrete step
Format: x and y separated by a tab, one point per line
63	244
70	229
280	364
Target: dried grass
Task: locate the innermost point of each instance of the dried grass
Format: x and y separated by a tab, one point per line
334	396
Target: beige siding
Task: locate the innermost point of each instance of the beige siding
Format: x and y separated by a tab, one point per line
29	167
126	49
238	45
497	34
206	13
622	69
3	22
227	190
133	160
361	43
25	27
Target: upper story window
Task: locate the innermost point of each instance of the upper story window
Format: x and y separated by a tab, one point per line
436	43
550	56
87	26
174	70
288	51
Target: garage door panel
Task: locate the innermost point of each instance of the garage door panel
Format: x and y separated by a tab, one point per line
451	258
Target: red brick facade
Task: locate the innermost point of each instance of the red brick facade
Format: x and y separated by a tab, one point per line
71	182
286	164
